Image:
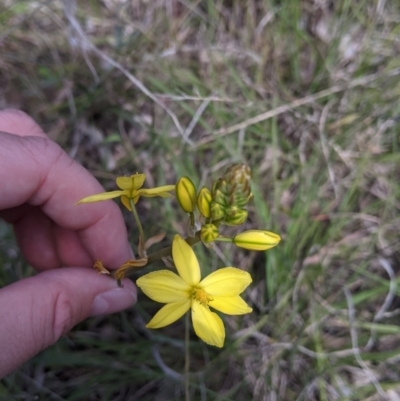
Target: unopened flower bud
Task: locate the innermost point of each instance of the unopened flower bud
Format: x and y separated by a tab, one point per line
208	233
219	191
204	199
256	240
236	218
217	211
186	194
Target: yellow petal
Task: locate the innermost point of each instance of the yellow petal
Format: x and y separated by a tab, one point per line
131	183
208	325
101	197
185	261
125	202
230	305
168	314
226	282
164	286
157	191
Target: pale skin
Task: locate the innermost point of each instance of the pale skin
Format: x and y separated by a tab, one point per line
39	186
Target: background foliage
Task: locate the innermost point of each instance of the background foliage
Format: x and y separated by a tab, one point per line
305	92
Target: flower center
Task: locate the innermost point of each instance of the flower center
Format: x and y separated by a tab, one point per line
200	295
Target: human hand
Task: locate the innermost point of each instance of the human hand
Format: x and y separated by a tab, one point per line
39	186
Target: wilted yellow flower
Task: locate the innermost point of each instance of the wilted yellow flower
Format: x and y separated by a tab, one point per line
131	188
186	194
219	290
204	199
256	240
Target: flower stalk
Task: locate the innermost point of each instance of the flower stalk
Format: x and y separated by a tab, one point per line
187	357
142	251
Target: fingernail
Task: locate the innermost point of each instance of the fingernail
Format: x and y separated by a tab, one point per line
113	301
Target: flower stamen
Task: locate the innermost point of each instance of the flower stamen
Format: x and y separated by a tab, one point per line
200	295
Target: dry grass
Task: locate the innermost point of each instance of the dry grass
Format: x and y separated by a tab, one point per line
306	92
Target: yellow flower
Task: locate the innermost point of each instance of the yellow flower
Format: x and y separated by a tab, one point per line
220	290
256	240
131	188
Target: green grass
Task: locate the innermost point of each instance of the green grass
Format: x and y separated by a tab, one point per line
325	177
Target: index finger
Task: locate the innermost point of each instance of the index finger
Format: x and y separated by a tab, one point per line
36	171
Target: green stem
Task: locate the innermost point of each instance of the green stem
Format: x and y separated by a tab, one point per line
192	220
138	223
187	356
223	239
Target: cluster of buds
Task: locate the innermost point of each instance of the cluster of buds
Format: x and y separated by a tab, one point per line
224	204
230	194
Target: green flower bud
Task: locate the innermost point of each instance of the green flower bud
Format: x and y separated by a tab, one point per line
204	199
237	218
186	194
219	192
256	240
217	211
233	189
208	233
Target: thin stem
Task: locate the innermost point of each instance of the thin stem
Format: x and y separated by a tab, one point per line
138	223
192	220
187	356
223	239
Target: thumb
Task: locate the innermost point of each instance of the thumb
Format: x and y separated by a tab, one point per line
37	311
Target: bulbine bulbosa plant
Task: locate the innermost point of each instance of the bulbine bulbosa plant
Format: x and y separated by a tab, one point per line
184	290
